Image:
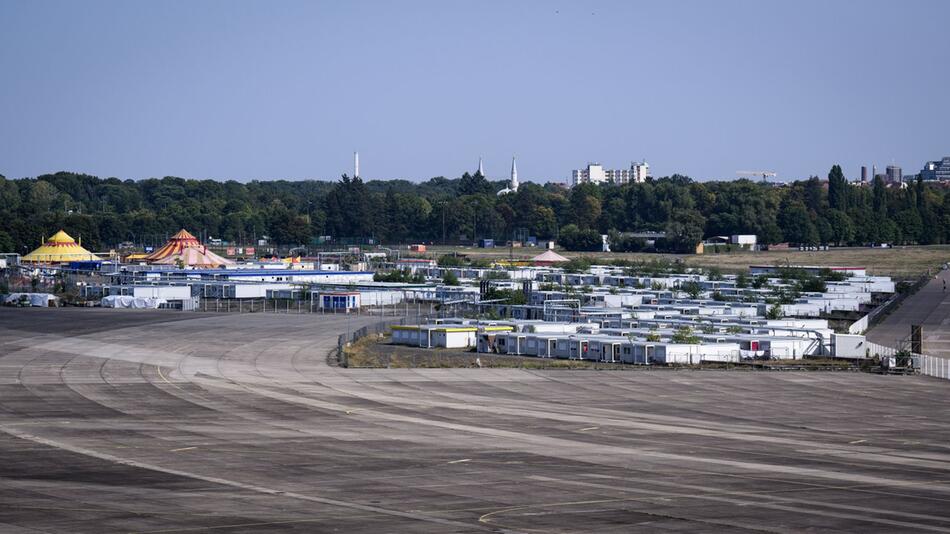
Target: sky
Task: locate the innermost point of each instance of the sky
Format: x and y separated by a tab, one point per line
289	90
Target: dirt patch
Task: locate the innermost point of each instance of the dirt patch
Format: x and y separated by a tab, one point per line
373	352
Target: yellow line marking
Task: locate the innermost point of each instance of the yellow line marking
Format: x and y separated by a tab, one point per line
161	374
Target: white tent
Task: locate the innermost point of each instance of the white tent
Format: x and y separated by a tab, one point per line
125	301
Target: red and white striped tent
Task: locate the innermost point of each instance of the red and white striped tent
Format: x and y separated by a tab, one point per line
185	247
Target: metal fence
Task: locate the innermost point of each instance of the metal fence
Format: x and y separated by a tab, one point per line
262	305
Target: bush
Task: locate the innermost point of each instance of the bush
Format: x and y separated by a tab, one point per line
692	288
812	284
509	295
742	281
774	312
451	260
685	335
828	275
450	279
399	276
576	265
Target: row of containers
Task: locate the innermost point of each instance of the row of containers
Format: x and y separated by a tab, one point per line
646	343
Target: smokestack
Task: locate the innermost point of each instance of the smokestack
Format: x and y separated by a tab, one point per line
356	165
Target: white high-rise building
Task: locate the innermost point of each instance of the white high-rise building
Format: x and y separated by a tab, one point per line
595	173
356	165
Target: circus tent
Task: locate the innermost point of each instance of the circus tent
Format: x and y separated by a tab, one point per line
548	258
61	248
186	249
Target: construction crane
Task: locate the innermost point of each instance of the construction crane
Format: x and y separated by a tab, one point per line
764	174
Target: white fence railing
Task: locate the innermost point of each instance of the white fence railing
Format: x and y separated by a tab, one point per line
875	349
935	366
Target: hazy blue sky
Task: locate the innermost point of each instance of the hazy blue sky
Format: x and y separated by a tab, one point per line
246	90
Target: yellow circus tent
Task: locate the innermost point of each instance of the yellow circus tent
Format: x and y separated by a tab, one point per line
60	248
185	248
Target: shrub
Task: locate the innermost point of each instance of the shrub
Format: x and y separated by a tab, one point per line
576	265
685	335
692	288
451	260
742	281
774	312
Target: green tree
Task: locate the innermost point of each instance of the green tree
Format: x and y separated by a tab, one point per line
837	189
842	229
684	335
450	279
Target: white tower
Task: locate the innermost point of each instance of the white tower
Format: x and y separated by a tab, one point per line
481	168
356	165
514	175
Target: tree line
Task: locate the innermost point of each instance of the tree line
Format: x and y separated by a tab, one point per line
109	211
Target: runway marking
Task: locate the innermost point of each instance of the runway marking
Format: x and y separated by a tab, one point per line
161	374
460	461
183	449
772	505
941	461
232	483
588	428
487	518
567	444
855	442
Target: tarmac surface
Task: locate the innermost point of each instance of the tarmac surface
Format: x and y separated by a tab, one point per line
930	307
160	421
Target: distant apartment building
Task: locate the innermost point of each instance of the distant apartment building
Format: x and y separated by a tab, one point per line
894	174
595	173
936	170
